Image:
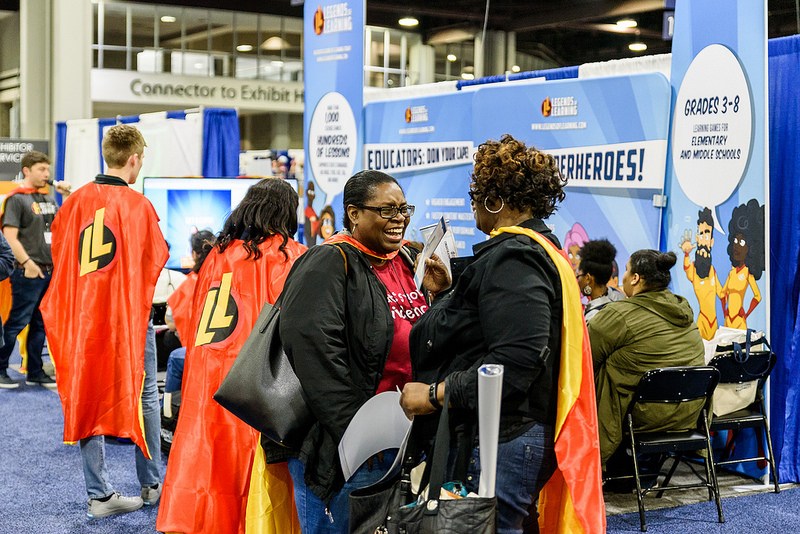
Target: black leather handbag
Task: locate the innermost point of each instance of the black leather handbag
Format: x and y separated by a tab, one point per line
261	387
382	508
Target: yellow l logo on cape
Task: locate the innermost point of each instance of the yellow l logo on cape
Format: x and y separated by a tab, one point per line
93	246
214	311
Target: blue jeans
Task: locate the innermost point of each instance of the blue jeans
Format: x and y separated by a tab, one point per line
93	451
27	294
175	370
524	465
311	511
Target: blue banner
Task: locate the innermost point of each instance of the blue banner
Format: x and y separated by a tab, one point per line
609	136
333	69
717	166
717	170
426	143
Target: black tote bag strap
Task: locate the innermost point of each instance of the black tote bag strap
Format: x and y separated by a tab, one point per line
441	451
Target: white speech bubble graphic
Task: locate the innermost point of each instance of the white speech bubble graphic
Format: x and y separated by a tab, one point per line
712	128
332	143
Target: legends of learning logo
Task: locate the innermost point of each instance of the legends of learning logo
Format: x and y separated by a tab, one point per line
97	245
220	313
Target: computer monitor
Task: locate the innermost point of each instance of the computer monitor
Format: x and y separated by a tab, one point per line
186	205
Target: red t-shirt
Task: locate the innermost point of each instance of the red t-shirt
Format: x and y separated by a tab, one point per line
407	305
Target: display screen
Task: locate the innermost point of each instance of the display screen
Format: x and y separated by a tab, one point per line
186	205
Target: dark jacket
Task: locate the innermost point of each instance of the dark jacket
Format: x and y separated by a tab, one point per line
7	263
337	329
505	308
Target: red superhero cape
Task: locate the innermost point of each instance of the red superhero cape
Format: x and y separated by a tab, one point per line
208	475
107	253
572	500
181	304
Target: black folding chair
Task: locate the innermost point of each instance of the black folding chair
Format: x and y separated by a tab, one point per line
734	369
673	385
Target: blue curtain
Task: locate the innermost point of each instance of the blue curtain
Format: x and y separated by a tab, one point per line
176	115
784	224
61	149
220	142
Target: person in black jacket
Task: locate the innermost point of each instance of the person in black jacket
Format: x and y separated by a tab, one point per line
505	308
346	311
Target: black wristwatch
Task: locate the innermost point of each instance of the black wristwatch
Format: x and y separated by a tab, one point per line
432	396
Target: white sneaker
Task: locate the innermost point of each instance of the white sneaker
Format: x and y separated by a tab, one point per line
150	496
117	504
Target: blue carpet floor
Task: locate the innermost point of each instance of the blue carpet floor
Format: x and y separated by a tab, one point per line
41	481
763	513
42	489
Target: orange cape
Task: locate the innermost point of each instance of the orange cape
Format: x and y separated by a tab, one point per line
107	253
208	474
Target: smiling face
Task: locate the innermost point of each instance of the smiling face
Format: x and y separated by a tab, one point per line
376	233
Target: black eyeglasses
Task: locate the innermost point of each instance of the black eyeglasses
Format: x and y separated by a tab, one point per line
390	212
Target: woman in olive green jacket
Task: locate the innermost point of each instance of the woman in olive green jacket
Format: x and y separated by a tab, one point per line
650	329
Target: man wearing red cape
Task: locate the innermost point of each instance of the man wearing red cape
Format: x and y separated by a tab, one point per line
107	253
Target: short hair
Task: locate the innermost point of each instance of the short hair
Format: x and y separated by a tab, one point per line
120	143
360	189
653	266
704	216
524	177
597	257
748	220
32	158
269	207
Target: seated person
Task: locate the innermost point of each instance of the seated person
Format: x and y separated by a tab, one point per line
594	271
652	328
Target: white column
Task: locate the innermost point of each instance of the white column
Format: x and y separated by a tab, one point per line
511	50
34	69
71	59
280	131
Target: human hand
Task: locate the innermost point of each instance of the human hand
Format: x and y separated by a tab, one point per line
436	277
32	270
414	399
65	188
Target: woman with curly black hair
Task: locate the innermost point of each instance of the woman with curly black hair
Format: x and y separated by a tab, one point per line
509	307
594	271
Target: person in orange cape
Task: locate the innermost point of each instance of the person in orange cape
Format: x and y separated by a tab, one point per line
107	253
516	303
208	476
179	303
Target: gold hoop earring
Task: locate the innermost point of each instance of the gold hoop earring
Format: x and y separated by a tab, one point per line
494	212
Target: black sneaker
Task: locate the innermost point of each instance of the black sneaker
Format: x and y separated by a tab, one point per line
41	380
6	382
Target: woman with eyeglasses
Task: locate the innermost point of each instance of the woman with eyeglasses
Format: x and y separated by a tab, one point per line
594	271
346	312
510	306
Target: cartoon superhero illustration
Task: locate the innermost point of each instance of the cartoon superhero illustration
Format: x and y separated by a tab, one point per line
701	273
573	241
746	251
311	223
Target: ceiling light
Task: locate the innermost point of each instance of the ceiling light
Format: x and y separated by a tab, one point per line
244	48
467	76
451	57
276	63
168	18
627	23
515	68
408	21
275	43
199	65
637	47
